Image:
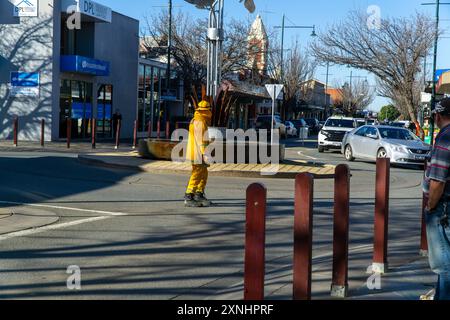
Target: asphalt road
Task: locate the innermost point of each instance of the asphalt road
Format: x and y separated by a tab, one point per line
132	238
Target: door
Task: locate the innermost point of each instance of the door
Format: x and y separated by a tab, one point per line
104	111
372	143
357	142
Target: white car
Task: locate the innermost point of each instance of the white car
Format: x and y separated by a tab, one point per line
334	131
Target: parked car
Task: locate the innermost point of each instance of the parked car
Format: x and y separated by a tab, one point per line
398	124
314	126
301	126
333	132
361	122
291	130
265	123
398	144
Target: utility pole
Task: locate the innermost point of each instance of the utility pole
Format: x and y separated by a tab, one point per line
169	50
327	100
436	42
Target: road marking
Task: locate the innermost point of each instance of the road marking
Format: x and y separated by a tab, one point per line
105	215
109	213
304	155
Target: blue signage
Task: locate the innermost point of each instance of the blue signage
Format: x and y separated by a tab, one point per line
79	64
439	73
24	79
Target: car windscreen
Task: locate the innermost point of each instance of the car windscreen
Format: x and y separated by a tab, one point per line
397	134
340	123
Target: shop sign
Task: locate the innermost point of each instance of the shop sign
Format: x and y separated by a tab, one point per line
24	84
25	8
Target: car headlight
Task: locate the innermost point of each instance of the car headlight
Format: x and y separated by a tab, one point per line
324	133
399	149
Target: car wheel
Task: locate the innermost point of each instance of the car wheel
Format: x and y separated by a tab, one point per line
382	154
321	149
349	153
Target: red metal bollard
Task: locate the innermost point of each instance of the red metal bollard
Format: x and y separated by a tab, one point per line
339	287
303	227
94	133
69	132
119	127
135	134
168	130
158	130
255	242
423	236
16	131
150	129
42	133
380	258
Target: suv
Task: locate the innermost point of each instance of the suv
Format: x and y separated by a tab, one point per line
334	131
265	123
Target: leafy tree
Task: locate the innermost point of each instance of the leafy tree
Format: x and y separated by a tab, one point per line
389	112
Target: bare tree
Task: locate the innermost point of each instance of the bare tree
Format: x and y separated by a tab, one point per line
189	49
394	53
356	97
298	68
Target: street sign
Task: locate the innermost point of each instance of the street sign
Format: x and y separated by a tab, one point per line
274	90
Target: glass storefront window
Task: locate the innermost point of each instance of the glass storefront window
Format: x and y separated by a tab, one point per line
104	111
76	105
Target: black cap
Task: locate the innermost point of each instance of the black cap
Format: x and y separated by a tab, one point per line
443	107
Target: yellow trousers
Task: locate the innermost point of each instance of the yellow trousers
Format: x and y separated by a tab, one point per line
199	179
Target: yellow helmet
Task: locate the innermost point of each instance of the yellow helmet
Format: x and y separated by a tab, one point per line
204	106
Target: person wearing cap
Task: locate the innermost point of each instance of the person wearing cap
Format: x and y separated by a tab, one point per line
197	144
437	187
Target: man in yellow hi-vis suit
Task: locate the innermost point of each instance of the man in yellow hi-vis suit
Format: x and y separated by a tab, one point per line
197	144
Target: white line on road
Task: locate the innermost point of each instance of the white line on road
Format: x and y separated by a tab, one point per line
64	208
105	215
304	155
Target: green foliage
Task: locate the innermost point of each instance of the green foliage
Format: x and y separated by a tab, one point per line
388	112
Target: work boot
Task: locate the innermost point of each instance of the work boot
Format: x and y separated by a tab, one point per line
190	202
201	199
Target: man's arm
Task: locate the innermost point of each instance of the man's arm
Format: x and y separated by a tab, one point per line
436	191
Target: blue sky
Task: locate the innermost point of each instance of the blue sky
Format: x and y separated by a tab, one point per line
302	12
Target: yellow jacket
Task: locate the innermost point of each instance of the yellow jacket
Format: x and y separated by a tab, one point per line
198	140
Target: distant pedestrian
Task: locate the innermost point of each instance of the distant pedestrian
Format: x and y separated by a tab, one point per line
117	116
437	187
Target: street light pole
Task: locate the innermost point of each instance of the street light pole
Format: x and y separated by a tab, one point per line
438	4
283	27
433	92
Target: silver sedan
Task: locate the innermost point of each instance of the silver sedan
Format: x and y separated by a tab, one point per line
372	142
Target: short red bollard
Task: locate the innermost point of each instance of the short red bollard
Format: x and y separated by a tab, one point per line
69	132
42	133
158	130
255	242
150	129
423	236
16	131
94	133
168	130
339	287
135	134
119	127
303	225
380	259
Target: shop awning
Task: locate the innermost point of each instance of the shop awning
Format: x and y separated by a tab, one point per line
443	86
246	89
